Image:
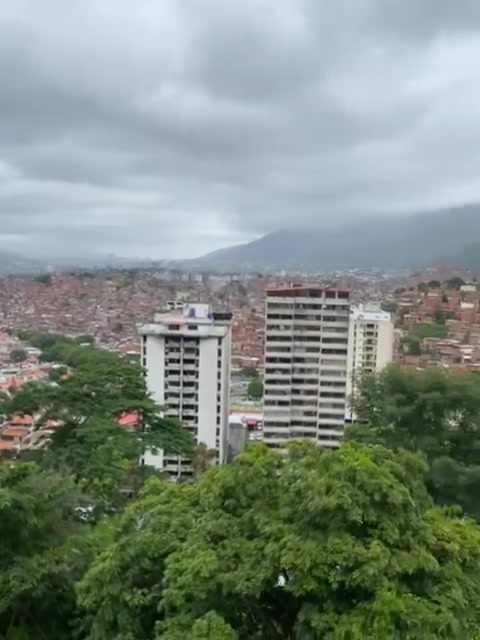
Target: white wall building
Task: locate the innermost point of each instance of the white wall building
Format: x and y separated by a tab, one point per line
306	354
370	348
186	355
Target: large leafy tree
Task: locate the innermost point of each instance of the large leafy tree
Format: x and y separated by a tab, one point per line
44	549
102	456
314	544
434	412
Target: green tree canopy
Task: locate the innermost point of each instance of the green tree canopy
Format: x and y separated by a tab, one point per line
429	330
314	544
202	459
44	278
411	345
90	444
435	412
455	282
389	306
36	580
442	316
255	389
18	355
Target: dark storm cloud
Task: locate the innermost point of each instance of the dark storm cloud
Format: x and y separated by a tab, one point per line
169	127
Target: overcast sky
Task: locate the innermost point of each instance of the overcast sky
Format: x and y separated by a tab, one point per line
167	128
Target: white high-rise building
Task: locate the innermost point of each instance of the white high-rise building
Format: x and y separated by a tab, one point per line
306	358
186	355
370	348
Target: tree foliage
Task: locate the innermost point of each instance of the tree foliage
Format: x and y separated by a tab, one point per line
442	316
37	570
421	331
255	389
317	544
455	283
44	278
435	412
18	355
360	542
390	306
202	459
89	444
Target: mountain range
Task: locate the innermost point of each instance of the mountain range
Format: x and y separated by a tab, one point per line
17	263
407	241
447	236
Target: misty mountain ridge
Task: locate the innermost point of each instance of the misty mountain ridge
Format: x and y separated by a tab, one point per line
448	236
17	263
400	242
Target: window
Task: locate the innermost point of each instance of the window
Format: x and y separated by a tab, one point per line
173	327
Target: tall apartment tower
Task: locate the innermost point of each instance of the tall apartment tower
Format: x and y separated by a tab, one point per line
370	348
186	355
306	362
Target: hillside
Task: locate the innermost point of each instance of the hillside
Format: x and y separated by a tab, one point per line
406	241
15	263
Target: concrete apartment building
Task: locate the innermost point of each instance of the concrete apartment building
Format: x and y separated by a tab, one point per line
306	364
370	348
315	343
186	355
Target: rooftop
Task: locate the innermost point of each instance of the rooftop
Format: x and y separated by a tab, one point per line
197	312
370	316
195	319
304	290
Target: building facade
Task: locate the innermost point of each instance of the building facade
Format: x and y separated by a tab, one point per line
186	356
306	364
370	348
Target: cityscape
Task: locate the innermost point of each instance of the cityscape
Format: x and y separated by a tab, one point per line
239	320
308	344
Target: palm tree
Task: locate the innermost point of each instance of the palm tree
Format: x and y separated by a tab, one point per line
202	459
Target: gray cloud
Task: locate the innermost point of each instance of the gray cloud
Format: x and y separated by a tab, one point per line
170	127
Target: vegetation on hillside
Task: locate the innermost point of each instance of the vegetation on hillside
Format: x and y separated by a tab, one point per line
422	331
377	540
